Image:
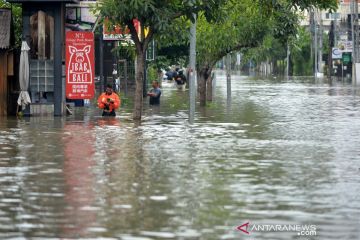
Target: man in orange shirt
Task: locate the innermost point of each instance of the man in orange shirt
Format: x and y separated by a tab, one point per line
109	102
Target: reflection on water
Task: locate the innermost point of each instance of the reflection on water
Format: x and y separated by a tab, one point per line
284	152
79	180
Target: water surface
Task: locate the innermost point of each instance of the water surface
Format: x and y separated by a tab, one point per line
283	152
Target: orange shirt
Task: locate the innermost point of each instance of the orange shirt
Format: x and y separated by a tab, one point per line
104	98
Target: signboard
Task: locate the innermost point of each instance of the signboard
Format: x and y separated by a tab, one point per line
116	33
87	15
80	68
80	16
346	58
336	53
345	46
150	51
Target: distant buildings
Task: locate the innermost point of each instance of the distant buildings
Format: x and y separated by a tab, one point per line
338	27
341	17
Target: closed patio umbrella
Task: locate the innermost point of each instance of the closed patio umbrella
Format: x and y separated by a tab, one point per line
24	76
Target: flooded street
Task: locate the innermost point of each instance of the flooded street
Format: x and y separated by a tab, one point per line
283	152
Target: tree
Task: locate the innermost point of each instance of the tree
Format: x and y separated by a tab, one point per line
301	53
154	17
271	50
234	25
17	19
174	45
302	4
245	26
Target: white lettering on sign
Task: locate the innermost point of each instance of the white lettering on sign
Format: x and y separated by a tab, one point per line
79	69
79	35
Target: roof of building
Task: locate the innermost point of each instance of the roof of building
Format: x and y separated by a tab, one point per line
5	28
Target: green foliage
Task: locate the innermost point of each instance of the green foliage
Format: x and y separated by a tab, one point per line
161	62
173	44
174	34
331	5
223	26
175	55
301	53
126	101
263	26
17	19
152	73
155	15
244	27
124	51
285	22
321	4
301	57
271	49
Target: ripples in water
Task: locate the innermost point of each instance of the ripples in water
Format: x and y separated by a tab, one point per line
282	153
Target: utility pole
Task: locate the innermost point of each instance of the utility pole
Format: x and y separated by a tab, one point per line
228	84
228	77
315	44
192	78
355	30
330	61
320	43
287	61
335	29
311	23
352	31
354	38
101	58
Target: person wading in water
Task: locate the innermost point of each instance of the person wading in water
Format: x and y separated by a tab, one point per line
154	94
109	102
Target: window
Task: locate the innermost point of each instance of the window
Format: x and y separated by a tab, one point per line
41	57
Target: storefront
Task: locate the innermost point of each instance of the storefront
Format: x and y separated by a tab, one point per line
44	31
6	60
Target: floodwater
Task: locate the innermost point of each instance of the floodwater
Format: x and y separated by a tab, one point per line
283	153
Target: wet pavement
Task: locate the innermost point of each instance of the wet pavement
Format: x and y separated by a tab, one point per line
283	152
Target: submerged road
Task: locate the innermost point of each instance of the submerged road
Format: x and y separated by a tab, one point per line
283	153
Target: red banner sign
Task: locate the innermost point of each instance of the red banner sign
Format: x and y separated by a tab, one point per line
80	68
115	32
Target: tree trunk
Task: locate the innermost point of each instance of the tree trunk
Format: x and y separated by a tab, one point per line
330	65
202	76
209	87
139	86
